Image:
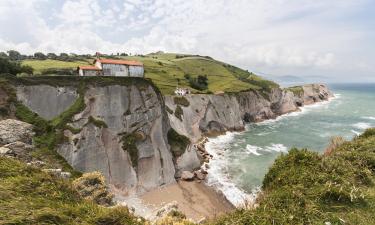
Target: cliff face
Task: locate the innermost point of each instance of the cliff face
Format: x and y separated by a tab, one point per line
121	129
212	114
121	132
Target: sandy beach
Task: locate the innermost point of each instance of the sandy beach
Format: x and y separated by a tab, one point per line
195	200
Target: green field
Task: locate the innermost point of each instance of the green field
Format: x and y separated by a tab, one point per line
41	65
168	70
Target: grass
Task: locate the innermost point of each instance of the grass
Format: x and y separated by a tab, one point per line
42	65
168	70
296	90
303	187
177	142
30	196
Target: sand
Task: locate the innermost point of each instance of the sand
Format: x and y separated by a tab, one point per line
195	200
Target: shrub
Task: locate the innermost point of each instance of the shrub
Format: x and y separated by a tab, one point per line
181	100
179	112
97	122
91	186
177	142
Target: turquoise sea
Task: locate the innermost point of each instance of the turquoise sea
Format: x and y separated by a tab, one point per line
242	159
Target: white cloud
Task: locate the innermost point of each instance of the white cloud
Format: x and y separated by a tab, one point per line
282	36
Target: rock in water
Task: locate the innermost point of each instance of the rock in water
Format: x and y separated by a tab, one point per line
15	130
187	175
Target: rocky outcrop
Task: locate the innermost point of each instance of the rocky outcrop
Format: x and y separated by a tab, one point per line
15	131
215	114
130	147
47	101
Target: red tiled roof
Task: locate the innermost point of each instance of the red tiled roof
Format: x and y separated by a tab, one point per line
121	62
88	68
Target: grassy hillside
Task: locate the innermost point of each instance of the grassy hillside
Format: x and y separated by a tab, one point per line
169	70
30	196
303	187
42	65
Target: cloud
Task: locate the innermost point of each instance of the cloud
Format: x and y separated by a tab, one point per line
281	36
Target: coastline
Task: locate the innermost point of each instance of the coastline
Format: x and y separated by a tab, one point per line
222	182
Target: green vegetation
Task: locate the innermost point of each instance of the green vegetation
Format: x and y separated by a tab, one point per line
30	196
181	100
303	187
97	123
129	144
177	142
168	70
297	90
179	112
50	66
14	68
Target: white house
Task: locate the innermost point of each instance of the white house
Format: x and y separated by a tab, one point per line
112	67
120	68
182	91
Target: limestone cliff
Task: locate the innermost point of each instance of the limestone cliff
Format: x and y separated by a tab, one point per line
121	127
121	131
215	114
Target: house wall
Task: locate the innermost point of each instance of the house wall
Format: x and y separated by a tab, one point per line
91	72
136	71
80	72
115	70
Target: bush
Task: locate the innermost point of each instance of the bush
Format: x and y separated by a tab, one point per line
199	83
179	112
181	100
91	186
177	142
13	68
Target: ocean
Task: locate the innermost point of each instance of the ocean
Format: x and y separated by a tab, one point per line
242	159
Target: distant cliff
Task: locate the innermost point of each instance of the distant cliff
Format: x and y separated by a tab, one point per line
196	116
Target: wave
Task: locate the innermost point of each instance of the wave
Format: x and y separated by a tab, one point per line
362	126
218	176
369	117
356	132
252	149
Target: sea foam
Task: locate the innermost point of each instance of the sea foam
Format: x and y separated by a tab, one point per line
218	176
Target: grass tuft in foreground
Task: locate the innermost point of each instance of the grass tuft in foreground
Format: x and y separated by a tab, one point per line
304	187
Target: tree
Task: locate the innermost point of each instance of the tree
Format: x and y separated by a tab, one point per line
7	66
51	56
40	55
14	55
3	55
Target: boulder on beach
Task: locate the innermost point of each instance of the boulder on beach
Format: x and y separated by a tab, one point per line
15	130
187	176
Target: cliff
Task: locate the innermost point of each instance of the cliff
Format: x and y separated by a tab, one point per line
196	116
122	126
118	128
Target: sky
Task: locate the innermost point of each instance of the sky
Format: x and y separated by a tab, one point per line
317	40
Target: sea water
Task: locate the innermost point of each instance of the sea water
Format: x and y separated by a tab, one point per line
242	159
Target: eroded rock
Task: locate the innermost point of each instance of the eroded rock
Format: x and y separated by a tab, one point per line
15	131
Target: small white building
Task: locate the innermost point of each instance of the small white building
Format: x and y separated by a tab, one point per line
182	91
112	67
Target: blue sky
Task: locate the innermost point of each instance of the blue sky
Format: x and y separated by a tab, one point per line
328	40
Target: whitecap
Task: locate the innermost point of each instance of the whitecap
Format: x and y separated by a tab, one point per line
362	125
218	176
276	148
369	117
251	149
356	132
